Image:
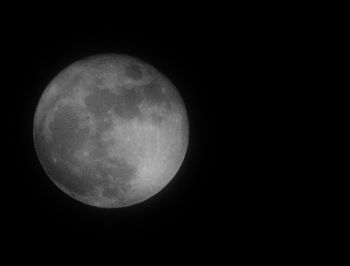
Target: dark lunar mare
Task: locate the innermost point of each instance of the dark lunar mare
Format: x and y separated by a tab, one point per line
125	104
59	171
154	95
133	71
67	137
152	92
99	101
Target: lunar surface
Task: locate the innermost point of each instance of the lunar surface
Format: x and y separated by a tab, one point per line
111	131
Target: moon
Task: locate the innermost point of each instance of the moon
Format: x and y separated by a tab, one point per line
111	131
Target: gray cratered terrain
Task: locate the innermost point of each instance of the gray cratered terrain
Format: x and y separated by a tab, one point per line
111	131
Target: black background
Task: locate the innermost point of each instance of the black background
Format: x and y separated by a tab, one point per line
193	56
219	59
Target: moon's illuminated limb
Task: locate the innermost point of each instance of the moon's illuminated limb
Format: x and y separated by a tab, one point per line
111	131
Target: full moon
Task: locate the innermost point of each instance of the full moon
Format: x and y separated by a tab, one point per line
111	131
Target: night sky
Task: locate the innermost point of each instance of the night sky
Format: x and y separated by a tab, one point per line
215	199
188	204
